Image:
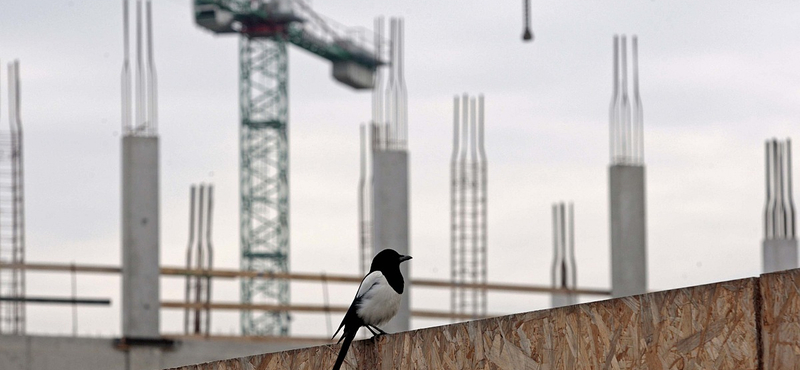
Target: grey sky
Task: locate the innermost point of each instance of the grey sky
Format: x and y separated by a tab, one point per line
717	78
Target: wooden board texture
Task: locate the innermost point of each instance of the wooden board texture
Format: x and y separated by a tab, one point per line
780	320
703	327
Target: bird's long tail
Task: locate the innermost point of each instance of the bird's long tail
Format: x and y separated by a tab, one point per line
348	338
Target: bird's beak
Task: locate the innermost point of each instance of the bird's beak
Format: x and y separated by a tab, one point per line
404	258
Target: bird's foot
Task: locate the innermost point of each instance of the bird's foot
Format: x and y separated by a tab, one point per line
380	331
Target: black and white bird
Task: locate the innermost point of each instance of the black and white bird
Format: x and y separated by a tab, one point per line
377	300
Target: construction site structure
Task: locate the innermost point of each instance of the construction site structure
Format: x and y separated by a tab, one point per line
779	247
265	28
468	207
12	211
384	181
140	186
564	269
627	196
199	256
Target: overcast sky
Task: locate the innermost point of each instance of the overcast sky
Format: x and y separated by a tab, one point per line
717	79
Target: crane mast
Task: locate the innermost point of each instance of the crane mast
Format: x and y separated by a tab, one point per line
265	29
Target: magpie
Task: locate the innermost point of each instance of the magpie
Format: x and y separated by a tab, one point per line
376	302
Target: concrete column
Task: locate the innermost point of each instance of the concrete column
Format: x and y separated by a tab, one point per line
562	299
140	237
779	255
390	220
628	230
144	358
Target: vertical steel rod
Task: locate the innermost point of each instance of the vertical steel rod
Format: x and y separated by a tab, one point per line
152	90
638	118
454	177
789	196
140	109
126	71
768	206
484	206
625	113
556	249
190	246
210	263
572	264
614	109
199	279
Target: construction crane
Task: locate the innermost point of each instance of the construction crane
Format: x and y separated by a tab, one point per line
264	28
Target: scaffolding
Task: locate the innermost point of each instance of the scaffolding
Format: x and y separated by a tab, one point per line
12	213
468	200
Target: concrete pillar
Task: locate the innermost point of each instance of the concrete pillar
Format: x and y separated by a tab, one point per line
140	237
390	220
628	230
779	255
144	358
562	299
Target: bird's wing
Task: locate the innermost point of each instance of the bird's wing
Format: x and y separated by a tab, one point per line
369	281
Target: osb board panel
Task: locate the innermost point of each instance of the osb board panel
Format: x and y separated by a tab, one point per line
780	320
705	327
313	358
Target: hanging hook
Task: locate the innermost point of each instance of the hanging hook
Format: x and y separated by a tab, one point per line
527	35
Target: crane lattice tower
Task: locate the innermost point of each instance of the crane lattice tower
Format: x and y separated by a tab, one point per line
265	28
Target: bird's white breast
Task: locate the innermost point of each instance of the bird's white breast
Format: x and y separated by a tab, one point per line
379	301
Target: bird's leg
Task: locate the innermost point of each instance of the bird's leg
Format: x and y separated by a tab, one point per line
370	330
378	329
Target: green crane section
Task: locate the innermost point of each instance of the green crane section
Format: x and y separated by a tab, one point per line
265	28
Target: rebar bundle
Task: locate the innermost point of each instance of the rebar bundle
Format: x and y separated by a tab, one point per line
388	130
12	211
468	201
626	134
145	100
390	103
779	210
199	257
365	203
563	270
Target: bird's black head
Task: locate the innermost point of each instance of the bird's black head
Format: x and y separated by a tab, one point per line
387	260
